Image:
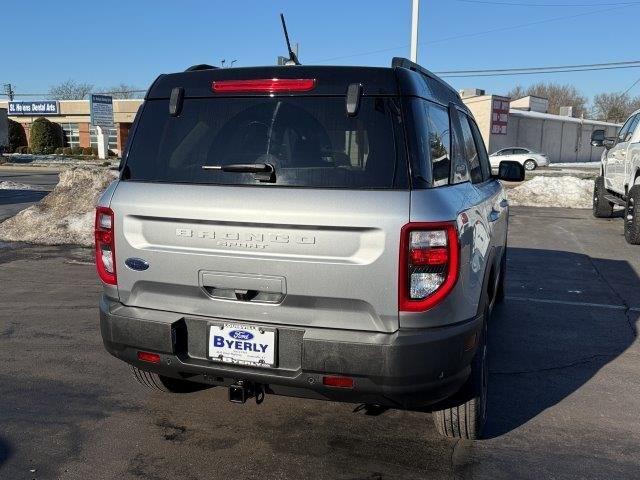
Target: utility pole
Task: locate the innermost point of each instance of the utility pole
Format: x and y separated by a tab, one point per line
414	30
8	90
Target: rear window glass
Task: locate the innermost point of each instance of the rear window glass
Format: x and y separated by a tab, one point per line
310	141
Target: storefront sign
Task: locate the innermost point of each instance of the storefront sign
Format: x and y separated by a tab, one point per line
45	108
499	115
102	110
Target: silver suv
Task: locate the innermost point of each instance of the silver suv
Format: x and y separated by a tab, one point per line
323	232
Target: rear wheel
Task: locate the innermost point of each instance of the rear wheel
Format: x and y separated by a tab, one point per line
602	208
530	165
160	383
632	216
465	413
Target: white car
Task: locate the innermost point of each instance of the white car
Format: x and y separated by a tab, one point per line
528	158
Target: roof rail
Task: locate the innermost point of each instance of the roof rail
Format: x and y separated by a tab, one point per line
202	66
400	62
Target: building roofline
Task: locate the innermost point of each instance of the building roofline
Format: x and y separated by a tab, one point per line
559	118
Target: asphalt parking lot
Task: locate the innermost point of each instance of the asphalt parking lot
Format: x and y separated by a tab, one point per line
12	201
564	392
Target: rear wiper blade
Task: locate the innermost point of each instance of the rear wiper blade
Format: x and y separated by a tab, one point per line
265	172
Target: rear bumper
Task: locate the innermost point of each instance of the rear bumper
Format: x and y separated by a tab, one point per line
406	369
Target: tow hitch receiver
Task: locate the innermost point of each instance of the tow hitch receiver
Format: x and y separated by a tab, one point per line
241	391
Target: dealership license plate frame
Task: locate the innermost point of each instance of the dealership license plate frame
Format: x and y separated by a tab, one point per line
230	360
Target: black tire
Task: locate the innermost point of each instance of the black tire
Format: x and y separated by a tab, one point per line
530	165
632	216
464	415
160	383
602	208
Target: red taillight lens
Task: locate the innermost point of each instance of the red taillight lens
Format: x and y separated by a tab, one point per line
429	264
268	85
105	246
337	382
149	357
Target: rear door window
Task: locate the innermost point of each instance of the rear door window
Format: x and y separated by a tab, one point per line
310	141
482	151
471	151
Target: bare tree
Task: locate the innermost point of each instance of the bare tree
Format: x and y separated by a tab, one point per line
614	107
122	91
517	92
70	90
557	94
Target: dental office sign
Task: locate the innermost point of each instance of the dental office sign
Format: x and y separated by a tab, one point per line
102	110
47	107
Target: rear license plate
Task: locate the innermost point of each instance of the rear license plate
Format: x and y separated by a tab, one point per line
243	344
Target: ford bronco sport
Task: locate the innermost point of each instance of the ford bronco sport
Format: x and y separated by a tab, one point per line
619	182
323	232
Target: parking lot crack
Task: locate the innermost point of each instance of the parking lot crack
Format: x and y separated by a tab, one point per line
627	308
575	363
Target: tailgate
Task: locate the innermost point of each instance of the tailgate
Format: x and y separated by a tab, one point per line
303	257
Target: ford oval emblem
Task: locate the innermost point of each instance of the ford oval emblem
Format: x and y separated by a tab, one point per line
240	335
136	264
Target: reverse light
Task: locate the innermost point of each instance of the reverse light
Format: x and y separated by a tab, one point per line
268	85
149	357
105	246
429	265
337	382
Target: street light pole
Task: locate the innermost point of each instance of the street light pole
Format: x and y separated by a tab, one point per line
414	30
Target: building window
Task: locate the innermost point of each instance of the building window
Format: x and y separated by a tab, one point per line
71	134
113	137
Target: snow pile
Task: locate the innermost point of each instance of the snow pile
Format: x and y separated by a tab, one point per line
567	192
594	165
66	215
8	185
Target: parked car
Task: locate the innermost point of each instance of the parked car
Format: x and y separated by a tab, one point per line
324	232
528	158
619	181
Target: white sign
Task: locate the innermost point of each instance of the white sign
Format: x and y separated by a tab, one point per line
243	344
101	110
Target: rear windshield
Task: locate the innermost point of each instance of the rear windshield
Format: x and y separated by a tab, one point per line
310	141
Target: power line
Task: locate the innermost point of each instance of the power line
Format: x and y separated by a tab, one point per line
504	74
555	67
632	85
523	4
115	92
478	34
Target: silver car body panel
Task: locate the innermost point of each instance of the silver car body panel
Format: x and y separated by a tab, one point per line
332	253
334	266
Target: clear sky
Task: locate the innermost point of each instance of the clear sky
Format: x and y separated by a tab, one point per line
132	41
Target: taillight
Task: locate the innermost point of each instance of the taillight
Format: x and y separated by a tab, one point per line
105	246
268	85
429	264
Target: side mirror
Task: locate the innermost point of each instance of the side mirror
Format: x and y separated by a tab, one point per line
597	138
510	171
609	142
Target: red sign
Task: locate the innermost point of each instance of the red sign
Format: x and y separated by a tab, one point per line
499	115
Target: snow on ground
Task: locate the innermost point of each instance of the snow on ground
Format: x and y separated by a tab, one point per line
8	185
595	165
567	192
66	215
55	160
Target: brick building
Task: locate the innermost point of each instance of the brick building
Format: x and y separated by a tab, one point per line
74	117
